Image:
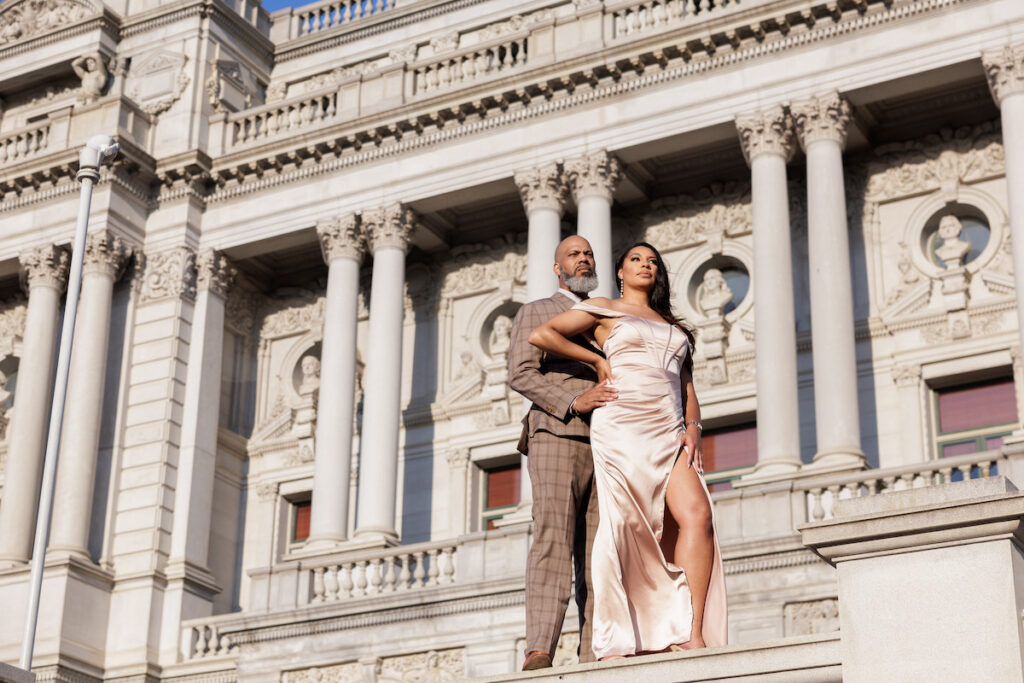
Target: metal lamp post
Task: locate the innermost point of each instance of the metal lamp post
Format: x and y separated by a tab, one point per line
100	148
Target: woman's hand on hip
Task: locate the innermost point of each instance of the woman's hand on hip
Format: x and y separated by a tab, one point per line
692	446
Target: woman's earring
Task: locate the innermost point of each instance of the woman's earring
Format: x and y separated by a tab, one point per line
620	288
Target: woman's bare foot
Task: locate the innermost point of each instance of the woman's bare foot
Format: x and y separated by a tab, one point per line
695	643
611	657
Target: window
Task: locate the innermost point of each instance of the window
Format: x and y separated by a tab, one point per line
299	523
500	492
729	453
974	417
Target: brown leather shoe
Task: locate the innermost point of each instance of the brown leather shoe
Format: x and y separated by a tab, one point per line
537	660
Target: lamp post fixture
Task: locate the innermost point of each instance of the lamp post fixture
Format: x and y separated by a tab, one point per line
100	148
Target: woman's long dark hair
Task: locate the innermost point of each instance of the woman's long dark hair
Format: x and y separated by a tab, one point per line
660	296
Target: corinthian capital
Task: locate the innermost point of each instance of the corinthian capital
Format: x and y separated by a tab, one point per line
341	237
825	117
389	226
215	273
596	174
1005	70
769	131
542	187
105	254
45	266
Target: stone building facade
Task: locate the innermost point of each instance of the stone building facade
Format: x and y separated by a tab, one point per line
289	446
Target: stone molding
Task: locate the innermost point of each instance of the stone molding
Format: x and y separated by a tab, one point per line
1004	68
542	187
769	131
45	266
389	226
341	237
593	175
105	255
823	117
906	375
214	272
170	274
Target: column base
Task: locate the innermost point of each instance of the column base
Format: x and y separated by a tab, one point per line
838	460
773	468
320	546
522	515
373	538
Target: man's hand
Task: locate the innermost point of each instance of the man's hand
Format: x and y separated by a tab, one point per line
595	397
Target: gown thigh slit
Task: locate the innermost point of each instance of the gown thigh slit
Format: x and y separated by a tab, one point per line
641	598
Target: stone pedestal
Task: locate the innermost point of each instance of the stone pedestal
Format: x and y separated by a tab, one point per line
931	582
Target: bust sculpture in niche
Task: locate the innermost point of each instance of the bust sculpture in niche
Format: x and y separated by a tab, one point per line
953	249
501	333
310	366
715	294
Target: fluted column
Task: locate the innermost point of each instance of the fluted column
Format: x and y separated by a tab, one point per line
44	275
105	258
543	192
821	123
388	230
593	179
343	247
1005	70
767	141
193	498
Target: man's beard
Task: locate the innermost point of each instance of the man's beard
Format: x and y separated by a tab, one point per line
581	284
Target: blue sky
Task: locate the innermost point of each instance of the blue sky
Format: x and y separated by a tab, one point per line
274	5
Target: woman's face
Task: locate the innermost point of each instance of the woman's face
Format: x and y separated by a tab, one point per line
639	269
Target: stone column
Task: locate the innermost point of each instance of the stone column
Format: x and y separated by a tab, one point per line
767	141
105	258
388	230
193	498
343	247
1005	70
821	123
593	179
543	191
44	275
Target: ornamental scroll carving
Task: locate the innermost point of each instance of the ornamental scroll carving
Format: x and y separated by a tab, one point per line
12	324
935	161
807	618
29	18
240	310
426	667
295	315
157	80
684	220
169	275
470	272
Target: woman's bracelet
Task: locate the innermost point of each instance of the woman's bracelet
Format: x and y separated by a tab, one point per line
700	427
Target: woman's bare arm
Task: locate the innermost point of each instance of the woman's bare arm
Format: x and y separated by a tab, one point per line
553	337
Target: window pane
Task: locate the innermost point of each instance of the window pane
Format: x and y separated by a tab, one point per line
731	447
302	513
502	487
993	442
961	448
976	406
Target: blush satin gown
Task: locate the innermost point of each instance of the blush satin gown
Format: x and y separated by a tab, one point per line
641	600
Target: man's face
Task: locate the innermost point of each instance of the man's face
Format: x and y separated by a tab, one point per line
575	258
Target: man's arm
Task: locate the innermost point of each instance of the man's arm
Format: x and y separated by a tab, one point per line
524	375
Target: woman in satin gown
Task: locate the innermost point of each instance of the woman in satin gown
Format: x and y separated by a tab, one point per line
656	565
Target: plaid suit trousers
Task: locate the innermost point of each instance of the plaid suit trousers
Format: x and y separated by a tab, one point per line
564	523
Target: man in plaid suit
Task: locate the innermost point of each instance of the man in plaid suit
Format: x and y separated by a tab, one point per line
556	437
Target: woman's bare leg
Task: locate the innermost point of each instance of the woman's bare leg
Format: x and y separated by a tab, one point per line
694	547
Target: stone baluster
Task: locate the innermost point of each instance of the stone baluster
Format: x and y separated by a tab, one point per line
822	123
1005	70
593	179
105	259
388	231
767	141
343	247
44	275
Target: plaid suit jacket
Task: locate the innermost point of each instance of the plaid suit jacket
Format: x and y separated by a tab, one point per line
550	382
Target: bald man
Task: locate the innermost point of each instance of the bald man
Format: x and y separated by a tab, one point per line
556	439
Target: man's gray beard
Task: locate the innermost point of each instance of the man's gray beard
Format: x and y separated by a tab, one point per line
580	285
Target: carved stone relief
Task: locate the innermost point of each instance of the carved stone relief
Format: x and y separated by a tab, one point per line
12	324
229	86
29	18
169	274
685	220
807	618
425	667
157	79
478	270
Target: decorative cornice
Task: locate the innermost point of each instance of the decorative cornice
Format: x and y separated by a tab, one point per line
542	187
341	237
389	226
215	273
1004	68
823	117
792	558
593	175
105	254
908	375
169	275
45	266
769	131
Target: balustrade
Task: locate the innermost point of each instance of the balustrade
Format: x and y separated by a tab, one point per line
269	121
326	15
632	18
22	144
464	68
821	494
394	571
204	640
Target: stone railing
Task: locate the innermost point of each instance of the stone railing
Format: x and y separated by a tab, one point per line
405	568
821	493
463	68
202	639
281	119
328	14
637	17
24	143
